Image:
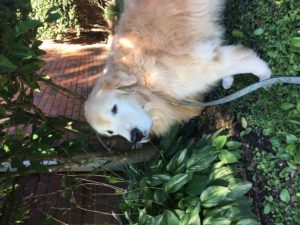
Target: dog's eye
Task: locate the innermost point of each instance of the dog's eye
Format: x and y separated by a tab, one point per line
114	109
110	132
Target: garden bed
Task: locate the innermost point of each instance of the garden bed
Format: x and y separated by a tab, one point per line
259	142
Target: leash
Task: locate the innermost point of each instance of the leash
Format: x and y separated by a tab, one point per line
247	90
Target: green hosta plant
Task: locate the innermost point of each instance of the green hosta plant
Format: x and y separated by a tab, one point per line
189	184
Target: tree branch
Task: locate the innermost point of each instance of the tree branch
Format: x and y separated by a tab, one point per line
92	161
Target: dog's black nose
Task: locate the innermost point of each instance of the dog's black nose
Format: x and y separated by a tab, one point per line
136	135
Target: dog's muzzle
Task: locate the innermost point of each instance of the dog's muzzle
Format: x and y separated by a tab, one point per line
136	135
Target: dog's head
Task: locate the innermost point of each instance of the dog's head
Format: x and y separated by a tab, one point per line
114	109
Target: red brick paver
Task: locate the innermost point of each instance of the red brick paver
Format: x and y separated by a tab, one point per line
72	66
75	67
83	199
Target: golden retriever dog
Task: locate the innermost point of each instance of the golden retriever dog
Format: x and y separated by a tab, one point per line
164	51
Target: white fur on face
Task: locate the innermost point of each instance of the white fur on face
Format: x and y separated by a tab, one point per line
114	113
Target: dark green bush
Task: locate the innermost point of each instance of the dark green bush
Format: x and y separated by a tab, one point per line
25	132
190	182
65	23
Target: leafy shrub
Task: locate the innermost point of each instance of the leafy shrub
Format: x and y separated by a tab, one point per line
113	10
112	13
66	22
19	53
194	182
25	132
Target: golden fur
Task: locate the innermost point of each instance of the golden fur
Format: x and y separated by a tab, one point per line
166	50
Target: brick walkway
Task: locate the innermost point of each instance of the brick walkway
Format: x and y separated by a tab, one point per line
75	67
84	199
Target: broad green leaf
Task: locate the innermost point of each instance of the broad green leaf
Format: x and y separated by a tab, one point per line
180	213
238	34
156	165
6	148
238	190
245	132
158	179
248	222
201	161
232	145
212	196
149	220
53	17
172	165
194	220
157	220
218	173
188	202
287	106
244	123
6	65
169	218
258	32
52	10
167	142
267	209
182	157
219	142
291	149
20	51
142	217
267	131
227	157
239	209
291	139
194	216
298	106
296	42
185	219
177	182
216	221
178	162
196	185
285	196
160	196
25	26
35	136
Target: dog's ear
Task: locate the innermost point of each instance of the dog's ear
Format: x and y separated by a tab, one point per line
118	80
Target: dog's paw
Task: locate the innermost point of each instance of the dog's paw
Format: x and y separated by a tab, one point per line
262	71
227	82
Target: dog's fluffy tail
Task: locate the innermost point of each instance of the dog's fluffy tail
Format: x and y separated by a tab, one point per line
173	25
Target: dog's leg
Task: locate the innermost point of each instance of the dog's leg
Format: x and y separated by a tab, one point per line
227	82
232	60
